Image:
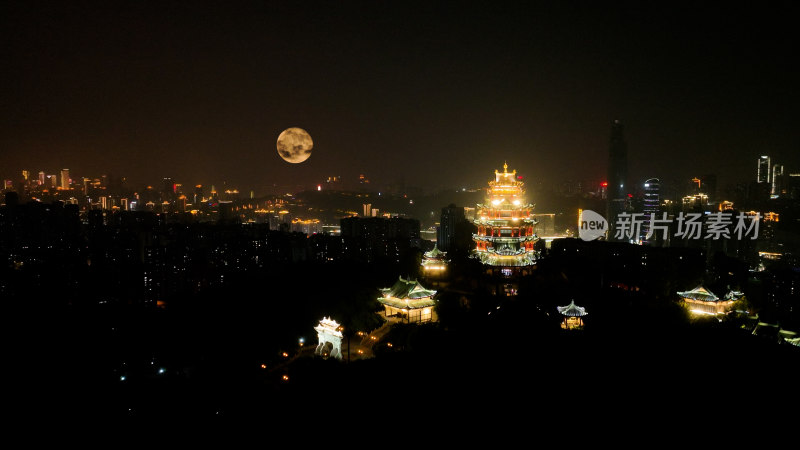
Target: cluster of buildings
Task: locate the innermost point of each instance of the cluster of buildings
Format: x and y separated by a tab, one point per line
113	194
762	199
504	230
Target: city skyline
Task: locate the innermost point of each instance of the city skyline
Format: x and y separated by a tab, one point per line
397	92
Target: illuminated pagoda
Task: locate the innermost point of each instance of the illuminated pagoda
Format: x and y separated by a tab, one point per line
505	236
702	301
434	262
409	301
573	315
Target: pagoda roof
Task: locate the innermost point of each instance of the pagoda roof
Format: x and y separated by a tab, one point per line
699	293
329	326
407	303
435	253
734	295
407	289
572	310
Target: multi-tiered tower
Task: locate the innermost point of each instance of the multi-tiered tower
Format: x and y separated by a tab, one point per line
506	237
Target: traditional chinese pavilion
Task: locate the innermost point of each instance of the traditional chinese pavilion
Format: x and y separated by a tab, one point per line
573	315
702	301
434	262
409	300
505	236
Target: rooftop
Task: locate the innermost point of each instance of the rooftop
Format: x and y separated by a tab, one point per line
407	289
699	293
572	310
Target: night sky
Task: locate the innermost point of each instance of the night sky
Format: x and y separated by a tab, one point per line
430	94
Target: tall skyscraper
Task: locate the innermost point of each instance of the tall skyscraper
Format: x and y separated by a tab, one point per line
452	215
41	178
777	179
617	176
168	186
652	202
763	170
197	197
64	178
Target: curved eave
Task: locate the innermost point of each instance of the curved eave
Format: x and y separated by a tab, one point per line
521	260
402	303
505	239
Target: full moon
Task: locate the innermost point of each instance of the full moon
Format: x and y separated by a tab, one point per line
294	145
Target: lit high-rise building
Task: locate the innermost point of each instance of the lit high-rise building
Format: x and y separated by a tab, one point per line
41	178
505	236
777	179
763	170
64	178
197	197
652	201
617	176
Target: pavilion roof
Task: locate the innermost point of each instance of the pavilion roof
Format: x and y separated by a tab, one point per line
328	325
734	295
407	289
699	293
435	253
407	303
572	310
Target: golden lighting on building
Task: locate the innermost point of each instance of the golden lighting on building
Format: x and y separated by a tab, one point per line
505	235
